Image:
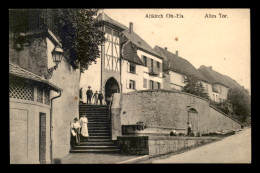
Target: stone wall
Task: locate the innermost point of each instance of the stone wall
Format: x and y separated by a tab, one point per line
168	144
219	122
169	109
157	145
32	57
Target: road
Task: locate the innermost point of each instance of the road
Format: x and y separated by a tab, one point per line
232	149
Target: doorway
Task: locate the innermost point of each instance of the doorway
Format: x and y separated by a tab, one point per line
111	87
193	120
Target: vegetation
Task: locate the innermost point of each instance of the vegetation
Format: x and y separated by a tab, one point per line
80	34
237	105
241	103
193	86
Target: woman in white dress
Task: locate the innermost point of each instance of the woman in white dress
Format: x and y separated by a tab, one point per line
84	126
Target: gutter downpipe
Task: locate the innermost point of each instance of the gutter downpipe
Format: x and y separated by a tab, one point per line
51	124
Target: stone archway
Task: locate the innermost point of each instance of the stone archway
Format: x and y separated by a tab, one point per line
111	87
193	119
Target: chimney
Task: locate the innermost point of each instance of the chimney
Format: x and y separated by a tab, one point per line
165	48
130	27
176	52
210	67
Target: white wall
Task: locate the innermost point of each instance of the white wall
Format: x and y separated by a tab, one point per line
126	76
145	69
176	80
209	91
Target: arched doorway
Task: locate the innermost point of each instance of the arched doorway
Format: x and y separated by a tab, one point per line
111	87
193	119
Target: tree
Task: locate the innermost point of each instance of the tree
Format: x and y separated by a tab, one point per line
77	29
241	103
193	86
81	35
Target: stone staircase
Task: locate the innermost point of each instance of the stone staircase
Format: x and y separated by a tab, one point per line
99	128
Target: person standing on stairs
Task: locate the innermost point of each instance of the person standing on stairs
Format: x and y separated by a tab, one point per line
96	98
100	97
75	131
89	95
84	127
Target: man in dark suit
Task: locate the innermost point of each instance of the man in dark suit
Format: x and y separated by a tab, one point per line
89	95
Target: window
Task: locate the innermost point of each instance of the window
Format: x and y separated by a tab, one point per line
151	65
131	84
158	64
132	68
158	85
220	89
145	83
145	61
151	84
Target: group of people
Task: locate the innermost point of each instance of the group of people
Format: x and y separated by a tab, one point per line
79	128
97	96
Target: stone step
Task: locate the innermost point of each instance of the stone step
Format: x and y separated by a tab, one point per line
98	127
100	124
93	110
98	143
94	151
81	111
98	130
99	134
98	120
100	106
100	137
99	140
95	147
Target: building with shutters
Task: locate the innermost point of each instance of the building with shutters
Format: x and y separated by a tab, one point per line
127	62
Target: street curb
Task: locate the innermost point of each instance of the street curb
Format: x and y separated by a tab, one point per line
134	160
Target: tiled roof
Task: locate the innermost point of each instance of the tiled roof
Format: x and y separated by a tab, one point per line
20	72
130	54
216	77
177	64
133	37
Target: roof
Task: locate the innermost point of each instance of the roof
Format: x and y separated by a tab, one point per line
133	37
216	77
20	72
177	64
129	53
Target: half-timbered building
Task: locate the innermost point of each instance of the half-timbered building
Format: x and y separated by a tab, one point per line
127	63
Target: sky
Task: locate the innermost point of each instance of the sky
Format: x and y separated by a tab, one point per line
221	42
